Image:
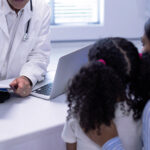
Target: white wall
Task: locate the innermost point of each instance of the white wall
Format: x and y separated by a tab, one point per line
122	18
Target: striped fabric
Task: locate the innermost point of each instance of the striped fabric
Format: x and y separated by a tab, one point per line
113	144
146	127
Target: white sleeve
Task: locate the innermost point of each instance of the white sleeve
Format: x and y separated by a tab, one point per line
68	134
36	66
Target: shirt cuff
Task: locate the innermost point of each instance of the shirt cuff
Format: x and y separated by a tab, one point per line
33	79
113	144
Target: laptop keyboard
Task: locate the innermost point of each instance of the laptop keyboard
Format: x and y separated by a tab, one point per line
44	90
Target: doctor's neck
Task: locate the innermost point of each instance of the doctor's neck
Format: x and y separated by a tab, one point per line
17	5
16	10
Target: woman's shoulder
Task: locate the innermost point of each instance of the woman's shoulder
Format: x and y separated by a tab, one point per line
146	112
147	106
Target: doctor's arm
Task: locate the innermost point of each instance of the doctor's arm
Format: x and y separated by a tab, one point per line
35	67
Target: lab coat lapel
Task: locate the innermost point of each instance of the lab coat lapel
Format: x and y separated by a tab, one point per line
3	24
26	16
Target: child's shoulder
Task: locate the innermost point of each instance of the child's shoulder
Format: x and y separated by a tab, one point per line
72	122
122	109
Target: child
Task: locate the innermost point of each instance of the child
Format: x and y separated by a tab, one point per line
146	37
96	92
123	57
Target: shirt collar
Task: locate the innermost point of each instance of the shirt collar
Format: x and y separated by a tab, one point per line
7	9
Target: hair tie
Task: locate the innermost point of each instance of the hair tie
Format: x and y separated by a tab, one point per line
102	61
140	55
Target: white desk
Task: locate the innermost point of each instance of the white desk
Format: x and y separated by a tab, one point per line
32	124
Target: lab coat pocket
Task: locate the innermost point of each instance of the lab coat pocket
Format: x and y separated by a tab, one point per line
26	48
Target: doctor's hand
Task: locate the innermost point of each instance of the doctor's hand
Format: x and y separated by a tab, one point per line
21	86
106	134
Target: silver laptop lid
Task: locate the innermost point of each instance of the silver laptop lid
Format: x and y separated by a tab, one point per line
68	66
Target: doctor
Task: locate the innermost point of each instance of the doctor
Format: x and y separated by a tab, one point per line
24	42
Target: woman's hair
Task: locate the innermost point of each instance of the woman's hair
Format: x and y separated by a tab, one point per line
143	89
122	56
147	28
92	95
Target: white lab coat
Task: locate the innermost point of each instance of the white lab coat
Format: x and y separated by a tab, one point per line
29	58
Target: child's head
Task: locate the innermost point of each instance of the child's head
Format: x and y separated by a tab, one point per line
92	95
120	54
123	57
146	37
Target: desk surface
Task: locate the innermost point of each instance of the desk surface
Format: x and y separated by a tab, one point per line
22	117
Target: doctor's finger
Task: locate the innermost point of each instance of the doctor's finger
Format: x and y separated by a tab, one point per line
23	90
22	93
14	84
21	85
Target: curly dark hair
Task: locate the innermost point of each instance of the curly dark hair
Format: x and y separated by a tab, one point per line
121	55
92	95
143	86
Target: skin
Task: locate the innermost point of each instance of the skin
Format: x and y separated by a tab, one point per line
21	86
106	133
146	43
71	146
16	5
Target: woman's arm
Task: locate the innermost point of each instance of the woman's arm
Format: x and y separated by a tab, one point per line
146	127
71	146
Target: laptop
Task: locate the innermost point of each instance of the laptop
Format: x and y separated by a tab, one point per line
55	85
67	67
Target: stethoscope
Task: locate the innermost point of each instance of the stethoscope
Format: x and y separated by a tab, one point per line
26	35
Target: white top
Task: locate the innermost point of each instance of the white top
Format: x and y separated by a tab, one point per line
129	132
